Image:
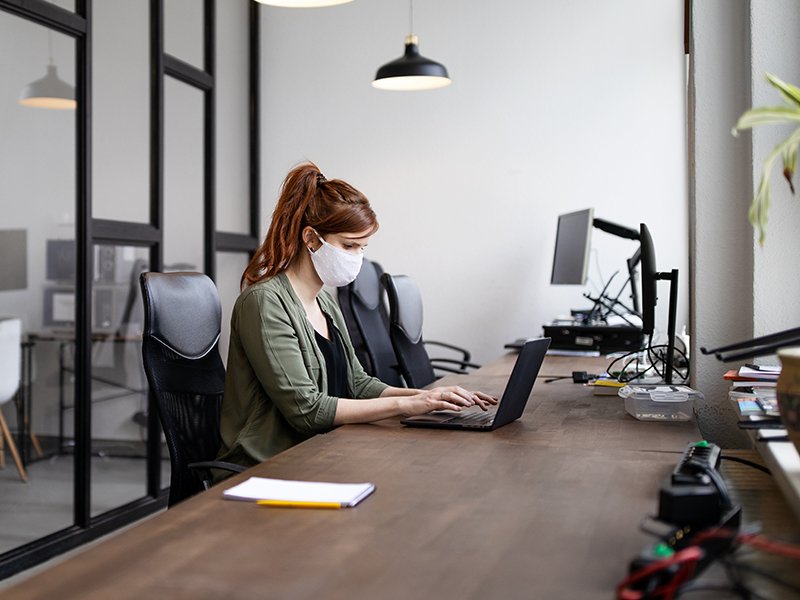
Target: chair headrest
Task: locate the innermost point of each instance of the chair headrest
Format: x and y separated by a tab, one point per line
409	307
367	286
182	311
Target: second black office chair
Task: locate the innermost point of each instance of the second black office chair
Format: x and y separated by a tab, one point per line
405	331
181	360
368	322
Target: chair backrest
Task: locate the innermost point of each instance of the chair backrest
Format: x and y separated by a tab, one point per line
10	357
368	322
181	358
405	330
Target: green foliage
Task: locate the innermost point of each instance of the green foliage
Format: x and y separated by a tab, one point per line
787	149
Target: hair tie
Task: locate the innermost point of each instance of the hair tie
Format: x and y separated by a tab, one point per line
321	178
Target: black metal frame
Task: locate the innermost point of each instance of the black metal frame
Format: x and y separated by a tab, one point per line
90	232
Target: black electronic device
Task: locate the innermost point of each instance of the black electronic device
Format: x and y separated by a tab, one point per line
512	402
60	261
695	494
649	284
573	243
650	278
594	338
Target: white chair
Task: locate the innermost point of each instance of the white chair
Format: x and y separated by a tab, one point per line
10	363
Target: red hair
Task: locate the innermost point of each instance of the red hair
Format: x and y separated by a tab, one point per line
307	199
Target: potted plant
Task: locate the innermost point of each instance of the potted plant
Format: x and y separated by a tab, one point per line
787	149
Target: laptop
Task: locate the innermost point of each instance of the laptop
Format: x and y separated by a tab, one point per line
511	404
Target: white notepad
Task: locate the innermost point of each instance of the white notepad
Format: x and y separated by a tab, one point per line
301	492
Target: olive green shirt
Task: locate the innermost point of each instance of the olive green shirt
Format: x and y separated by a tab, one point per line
276	382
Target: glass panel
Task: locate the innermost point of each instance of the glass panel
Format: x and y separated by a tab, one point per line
183	30
37	277
183	177
121	111
119	386
233	191
65	4
230	267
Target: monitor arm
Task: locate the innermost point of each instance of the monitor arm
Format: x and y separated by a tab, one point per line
628	234
614	229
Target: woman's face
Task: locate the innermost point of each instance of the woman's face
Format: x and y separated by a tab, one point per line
350	242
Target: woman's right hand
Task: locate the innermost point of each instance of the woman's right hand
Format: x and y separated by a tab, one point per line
441	398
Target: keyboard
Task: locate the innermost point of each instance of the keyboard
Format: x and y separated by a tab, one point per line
475	418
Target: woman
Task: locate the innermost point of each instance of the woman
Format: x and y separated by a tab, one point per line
292	370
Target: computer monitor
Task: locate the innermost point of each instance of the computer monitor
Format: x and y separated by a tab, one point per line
649	280
573	242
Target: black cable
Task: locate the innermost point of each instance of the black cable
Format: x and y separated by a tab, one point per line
552	378
749	463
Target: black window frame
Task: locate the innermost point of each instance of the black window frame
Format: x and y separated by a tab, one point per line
91	231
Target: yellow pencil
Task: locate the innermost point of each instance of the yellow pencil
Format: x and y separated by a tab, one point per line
298	504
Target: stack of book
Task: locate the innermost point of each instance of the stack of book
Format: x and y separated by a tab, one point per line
753	389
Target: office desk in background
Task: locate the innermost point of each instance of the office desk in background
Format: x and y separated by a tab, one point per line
546	507
66	344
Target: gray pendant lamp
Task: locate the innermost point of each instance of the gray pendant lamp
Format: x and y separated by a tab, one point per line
412	71
49	91
303	3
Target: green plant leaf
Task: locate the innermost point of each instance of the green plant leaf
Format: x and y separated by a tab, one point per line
761	202
789	92
767	115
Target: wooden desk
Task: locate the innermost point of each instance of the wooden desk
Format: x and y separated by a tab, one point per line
546	507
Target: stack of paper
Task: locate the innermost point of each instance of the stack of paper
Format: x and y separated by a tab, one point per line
308	494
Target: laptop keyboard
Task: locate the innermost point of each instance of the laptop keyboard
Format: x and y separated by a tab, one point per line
476	418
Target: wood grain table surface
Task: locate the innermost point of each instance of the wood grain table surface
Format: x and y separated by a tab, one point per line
546	507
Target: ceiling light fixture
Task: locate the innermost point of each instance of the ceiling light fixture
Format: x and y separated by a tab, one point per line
412	71
49	91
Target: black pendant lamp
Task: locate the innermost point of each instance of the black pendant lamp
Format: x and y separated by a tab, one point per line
412	71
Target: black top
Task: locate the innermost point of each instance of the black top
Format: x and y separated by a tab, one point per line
335	362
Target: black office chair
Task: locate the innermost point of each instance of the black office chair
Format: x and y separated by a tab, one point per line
181	360
368	323
405	330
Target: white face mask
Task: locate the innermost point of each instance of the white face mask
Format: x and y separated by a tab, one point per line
336	267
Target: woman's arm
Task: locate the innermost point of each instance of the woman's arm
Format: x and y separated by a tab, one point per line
407	402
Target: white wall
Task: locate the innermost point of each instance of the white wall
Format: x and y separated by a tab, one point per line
740	288
775	48
554	107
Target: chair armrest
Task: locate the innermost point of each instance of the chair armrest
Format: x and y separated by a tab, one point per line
463	364
218	464
464	352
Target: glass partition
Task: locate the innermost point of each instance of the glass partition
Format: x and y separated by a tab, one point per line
230	267
183	177
232	151
183	30
121	111
37	280
119	385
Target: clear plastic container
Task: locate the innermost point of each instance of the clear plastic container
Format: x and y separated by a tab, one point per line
659	402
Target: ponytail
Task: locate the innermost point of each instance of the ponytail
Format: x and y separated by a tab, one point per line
307	199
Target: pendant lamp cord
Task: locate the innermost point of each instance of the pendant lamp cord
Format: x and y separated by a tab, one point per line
50	45
410	16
